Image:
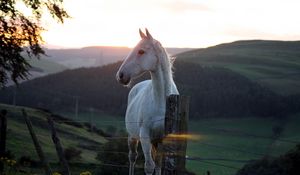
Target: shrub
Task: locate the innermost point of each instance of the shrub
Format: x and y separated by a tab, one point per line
72	153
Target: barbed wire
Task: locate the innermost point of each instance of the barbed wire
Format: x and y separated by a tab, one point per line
222	130
219	164
193	158
231	148
238	133
190	157
242	133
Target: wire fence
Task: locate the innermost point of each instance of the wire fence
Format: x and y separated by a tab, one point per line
213	161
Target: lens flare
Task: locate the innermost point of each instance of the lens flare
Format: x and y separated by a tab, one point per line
193	137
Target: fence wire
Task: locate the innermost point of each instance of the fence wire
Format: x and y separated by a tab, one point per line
210	161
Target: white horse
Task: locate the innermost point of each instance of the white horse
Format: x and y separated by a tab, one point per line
145	112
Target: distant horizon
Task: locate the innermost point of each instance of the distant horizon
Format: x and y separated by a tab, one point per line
50	46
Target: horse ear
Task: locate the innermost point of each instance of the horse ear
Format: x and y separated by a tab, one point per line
142	34
148	34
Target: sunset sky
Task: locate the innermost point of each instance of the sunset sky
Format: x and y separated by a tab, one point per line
176	23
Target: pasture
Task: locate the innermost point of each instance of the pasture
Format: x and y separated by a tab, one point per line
224	145
235	140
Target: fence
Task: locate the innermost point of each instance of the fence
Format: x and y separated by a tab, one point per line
196	158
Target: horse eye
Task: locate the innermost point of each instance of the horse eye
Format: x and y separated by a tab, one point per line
141	52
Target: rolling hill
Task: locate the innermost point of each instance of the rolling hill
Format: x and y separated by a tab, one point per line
274	64
46	66
40	67
57	60
215	92
93	56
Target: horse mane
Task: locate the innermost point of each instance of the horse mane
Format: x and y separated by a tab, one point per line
166	64
166	59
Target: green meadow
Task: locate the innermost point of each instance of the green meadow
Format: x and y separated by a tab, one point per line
222	146
225	145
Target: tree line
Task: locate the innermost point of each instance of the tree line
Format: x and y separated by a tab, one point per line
214	92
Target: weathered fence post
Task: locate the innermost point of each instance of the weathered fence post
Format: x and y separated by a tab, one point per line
174	145
37	144
59	148
3	128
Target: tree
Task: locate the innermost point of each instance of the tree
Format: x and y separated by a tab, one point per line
20	33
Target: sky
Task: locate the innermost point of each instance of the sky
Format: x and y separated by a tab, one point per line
175	23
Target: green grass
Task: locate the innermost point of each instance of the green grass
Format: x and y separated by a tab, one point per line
20	143
231	139
229	145
267	62
99	119
237	145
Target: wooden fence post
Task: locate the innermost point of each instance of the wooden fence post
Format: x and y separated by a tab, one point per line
59	148
38	148
3	128
174	146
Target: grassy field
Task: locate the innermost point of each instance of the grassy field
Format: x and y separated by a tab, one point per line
236	141
224	145
20	143
274	64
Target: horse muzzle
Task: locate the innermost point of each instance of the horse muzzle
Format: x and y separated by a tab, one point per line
123	78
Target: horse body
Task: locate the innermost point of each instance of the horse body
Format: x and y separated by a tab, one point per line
145	112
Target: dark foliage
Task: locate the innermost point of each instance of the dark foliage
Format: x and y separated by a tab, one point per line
72	153
19	33
214	92
8	154
27	161
114	152
287	164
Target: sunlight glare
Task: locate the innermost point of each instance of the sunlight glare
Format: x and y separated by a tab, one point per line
193	137
190	23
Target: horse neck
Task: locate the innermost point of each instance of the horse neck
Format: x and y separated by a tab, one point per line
162	79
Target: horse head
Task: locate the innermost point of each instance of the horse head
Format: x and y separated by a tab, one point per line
141	59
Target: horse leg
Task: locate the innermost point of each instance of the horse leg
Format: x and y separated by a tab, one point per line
158	157
146	146
133	154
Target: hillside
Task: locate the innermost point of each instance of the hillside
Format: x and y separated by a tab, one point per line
46	66
40	67
58	60
274	64
285	164
20	143
93	56
215	92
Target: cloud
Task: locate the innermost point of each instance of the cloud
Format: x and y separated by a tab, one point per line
252	33
181	6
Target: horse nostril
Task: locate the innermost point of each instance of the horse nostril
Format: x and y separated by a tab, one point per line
121	75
